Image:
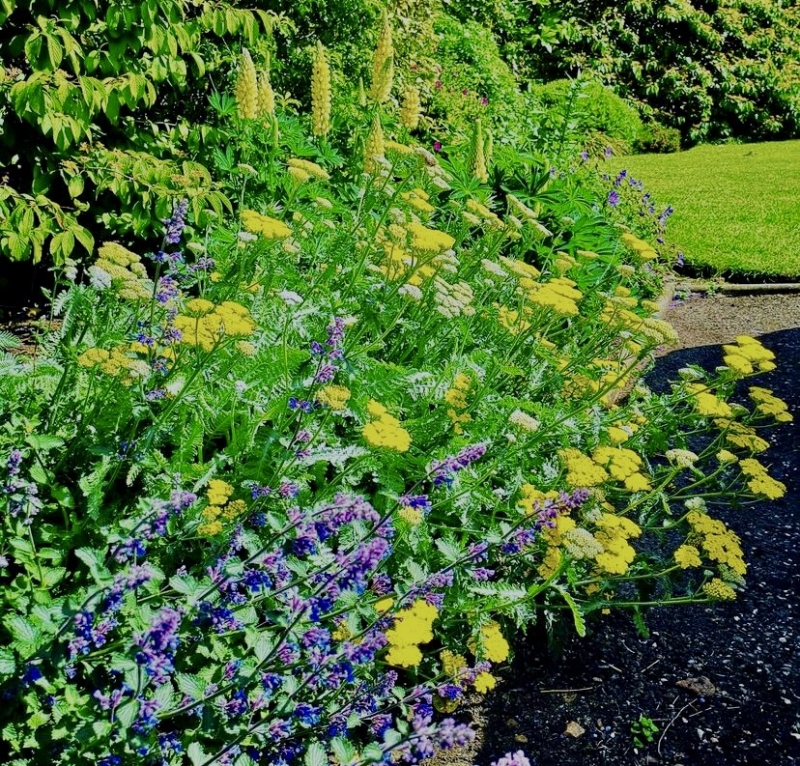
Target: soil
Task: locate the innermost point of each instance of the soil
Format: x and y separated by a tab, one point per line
721	683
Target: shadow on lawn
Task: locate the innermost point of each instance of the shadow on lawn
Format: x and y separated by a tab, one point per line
749	649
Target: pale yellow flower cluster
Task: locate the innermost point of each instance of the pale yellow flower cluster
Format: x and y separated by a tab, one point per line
532	499
511	320
429	240
582	471
494	646
477	158
719	543
410	109
310	168
759	480
456	397
335	397
618	315
484	215
741	435
246	91
559	295
521	209
269	228
383	64
687	556
418	199
624	465
613	534
122	271
643	250
218	508
384	430
205	324
320	92
119	363
718	590
707	403
375	147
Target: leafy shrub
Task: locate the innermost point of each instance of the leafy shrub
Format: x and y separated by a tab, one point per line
290	487
592	108
719	70
102	116
659	139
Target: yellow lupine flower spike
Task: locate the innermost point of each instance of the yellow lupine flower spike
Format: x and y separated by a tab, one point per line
383	64
411	108
247	87
320	93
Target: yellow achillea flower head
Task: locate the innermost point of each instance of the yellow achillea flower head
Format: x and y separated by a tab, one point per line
582	471
269	228
429	240
407	656
495	647
247	87
477	159
266	95
336	397
411	109
412	626
218	492
383	64
484	682
412	516
229	319
320	93
385	430
687	556
452	664
375	146
719	590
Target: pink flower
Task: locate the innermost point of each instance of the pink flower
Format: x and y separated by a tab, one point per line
438	84
437	146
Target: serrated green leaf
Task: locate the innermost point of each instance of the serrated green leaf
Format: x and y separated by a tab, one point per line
315	755
126	713
196	754
8	663
44	442
24	633
191	686
372	753
343	750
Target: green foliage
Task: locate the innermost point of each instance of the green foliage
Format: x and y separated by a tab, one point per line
96	105
656	138
712	70
329	453
643	731
592	109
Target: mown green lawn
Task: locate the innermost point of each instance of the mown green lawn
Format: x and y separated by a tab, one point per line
737	207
